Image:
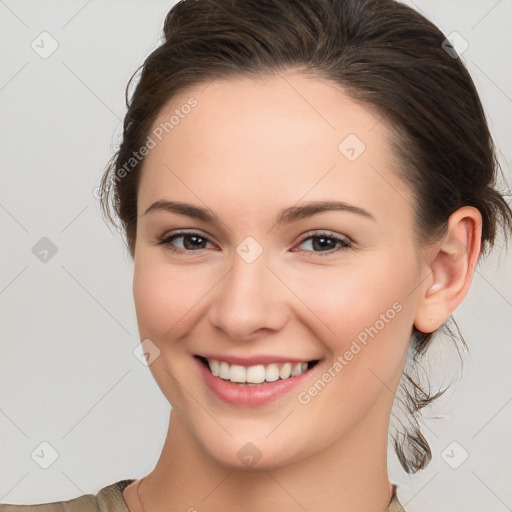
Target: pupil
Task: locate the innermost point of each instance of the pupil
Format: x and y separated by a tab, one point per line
195	240
322	244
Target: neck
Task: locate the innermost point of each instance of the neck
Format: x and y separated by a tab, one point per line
349	476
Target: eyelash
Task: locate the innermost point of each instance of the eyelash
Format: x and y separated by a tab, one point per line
341	243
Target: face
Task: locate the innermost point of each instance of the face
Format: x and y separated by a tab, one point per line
273	235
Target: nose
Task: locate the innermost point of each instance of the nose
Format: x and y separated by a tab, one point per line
249	301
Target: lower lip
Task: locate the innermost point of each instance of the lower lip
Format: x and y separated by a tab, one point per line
251	396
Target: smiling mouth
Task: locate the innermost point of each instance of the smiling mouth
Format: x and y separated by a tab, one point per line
257	374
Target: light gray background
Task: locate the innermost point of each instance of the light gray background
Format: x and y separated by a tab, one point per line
68	375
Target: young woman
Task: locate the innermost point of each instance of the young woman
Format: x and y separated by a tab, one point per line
305	188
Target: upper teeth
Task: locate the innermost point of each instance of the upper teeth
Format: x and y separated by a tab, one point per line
255	374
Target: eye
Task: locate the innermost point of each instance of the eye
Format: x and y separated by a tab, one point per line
324	243
189	242
321	243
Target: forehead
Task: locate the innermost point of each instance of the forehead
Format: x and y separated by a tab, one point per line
275	140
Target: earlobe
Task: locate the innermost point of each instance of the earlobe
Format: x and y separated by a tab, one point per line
451	268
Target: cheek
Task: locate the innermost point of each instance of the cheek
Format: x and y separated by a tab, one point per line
362	302
367	318
167	297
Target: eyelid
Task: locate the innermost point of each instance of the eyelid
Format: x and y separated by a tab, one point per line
164	240
326	233
184	231
346	242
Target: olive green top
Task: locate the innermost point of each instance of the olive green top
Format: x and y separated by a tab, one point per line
110	499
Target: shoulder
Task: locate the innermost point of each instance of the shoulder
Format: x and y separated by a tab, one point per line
394	505
412	500
108	499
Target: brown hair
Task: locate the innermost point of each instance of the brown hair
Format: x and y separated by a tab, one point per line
383	54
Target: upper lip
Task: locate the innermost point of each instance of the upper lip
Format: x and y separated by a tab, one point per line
256	360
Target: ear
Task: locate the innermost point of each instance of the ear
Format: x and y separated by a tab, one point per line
451	264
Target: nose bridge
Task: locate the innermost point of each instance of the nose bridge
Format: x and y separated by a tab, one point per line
247	299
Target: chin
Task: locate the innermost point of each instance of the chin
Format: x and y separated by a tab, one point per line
253	453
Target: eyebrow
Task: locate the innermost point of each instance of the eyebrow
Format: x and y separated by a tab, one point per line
290	214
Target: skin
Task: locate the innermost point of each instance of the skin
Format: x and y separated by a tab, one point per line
250	148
